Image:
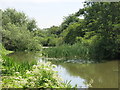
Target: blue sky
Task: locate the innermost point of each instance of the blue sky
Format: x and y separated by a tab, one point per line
46	12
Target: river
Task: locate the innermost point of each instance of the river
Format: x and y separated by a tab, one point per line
95	75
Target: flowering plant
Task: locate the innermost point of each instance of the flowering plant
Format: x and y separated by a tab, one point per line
41	75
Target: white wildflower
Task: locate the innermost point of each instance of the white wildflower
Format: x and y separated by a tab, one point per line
1	60
30	78
35	66
36	71
23	82
17	78
54	66
28	72
46	84
16	72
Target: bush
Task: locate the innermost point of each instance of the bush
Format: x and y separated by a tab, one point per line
3	51
17	31
19	39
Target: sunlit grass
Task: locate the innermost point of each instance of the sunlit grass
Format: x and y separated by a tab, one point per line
75	51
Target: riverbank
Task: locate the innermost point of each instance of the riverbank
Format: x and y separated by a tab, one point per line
29	74
94	75
40	75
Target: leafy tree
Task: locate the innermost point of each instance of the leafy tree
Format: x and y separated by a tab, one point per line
53	30
74	30
17	33
17	18
98	32
67	21
19	38
103	18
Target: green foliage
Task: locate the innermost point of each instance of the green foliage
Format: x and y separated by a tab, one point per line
75	51
41	75
17	18
53	30
3	51
49	36
104	18
87	48
57	52
11	66
18	38
97	35
72	31
67	21
17	33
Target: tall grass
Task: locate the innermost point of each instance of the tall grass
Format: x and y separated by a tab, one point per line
75	51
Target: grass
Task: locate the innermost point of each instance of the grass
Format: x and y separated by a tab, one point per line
75	51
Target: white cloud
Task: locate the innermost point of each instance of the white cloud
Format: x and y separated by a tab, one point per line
38	1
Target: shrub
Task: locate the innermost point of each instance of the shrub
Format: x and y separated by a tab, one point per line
19	39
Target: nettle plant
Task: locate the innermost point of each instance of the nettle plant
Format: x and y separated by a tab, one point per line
41	75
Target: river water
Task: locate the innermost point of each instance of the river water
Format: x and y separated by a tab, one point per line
95	75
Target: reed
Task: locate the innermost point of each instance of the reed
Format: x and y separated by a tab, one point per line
75	51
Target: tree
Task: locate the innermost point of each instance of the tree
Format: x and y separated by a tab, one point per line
72	32
104	19
17	18
17	33
67	21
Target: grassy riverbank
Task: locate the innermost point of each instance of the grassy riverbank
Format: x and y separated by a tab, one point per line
29	75
77	51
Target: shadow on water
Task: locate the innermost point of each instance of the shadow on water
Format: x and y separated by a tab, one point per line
25	56
95	75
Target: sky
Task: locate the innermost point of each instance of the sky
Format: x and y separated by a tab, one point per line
46	12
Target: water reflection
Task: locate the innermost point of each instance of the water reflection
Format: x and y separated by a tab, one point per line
68	77
25	56
101	75
97	75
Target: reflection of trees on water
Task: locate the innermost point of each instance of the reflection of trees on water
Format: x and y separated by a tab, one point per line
99	75
24	56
